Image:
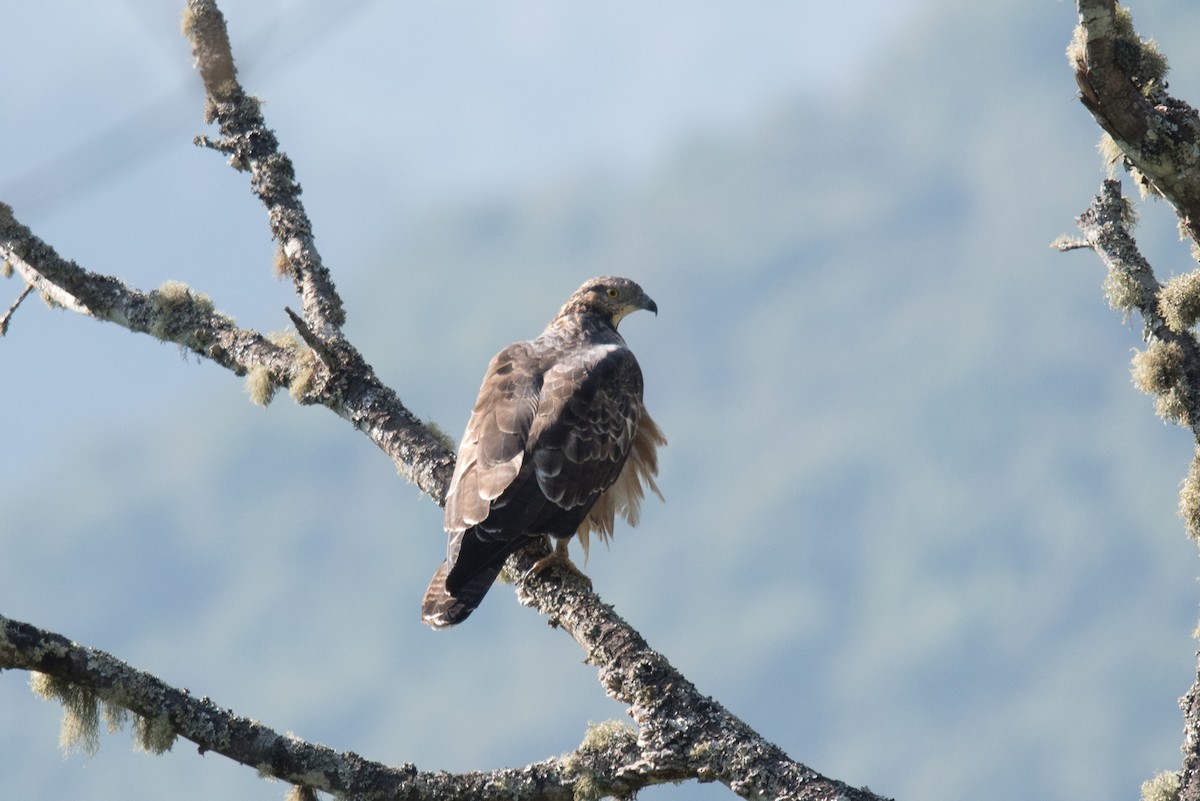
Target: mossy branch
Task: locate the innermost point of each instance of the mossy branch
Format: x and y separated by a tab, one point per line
1122	82
85	681
1169	367
681	735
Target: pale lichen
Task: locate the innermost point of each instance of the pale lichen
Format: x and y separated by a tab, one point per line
302	379
1189	499
440	435
83	708
1123	292
80	728
174	309
1159	371
282	265
300	792
303	372
153	735
1179	301
260	385
1163	787
600	739
1140	59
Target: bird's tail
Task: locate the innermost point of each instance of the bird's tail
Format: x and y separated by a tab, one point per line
443	607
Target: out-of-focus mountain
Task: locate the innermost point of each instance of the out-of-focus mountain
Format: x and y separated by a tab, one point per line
919	528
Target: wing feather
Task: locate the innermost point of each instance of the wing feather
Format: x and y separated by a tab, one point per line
493	446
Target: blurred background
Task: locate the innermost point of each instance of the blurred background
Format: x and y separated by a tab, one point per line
920	530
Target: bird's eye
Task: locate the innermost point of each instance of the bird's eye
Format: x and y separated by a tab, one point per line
612	292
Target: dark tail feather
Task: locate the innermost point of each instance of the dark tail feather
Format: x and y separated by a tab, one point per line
443	608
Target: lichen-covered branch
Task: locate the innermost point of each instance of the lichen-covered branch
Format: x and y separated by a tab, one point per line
173	312
1170	367
1122	82
1187	782
681	734
338	378
252	146
90	682
353	391
684	735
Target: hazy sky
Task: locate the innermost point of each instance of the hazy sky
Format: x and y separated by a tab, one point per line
914	505
442	99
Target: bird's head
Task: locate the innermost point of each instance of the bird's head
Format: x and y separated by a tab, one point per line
609	296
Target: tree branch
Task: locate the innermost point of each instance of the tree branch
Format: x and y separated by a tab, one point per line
681	734
1170	368
252	146
1122	83
340	379
1189	784
16	304
684	735
164	711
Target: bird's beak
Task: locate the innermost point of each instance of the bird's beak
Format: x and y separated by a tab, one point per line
649	305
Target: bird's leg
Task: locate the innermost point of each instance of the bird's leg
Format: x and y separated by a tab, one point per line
558	557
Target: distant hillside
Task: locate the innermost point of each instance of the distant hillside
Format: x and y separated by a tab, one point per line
919	527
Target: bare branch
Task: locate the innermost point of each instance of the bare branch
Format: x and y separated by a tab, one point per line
16	304
1066	243
251	145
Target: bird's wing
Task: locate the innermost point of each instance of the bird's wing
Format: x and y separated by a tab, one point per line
492	451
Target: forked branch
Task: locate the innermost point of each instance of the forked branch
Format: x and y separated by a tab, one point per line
681	734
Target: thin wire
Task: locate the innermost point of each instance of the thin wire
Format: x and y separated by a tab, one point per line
137	137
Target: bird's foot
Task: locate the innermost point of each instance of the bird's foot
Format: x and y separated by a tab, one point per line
557	558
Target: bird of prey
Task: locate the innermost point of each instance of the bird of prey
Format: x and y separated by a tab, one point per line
558	444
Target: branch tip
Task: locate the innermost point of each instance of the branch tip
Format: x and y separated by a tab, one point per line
7	318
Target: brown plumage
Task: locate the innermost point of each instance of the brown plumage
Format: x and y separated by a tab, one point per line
558	443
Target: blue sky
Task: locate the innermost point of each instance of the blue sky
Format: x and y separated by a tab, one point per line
913	502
